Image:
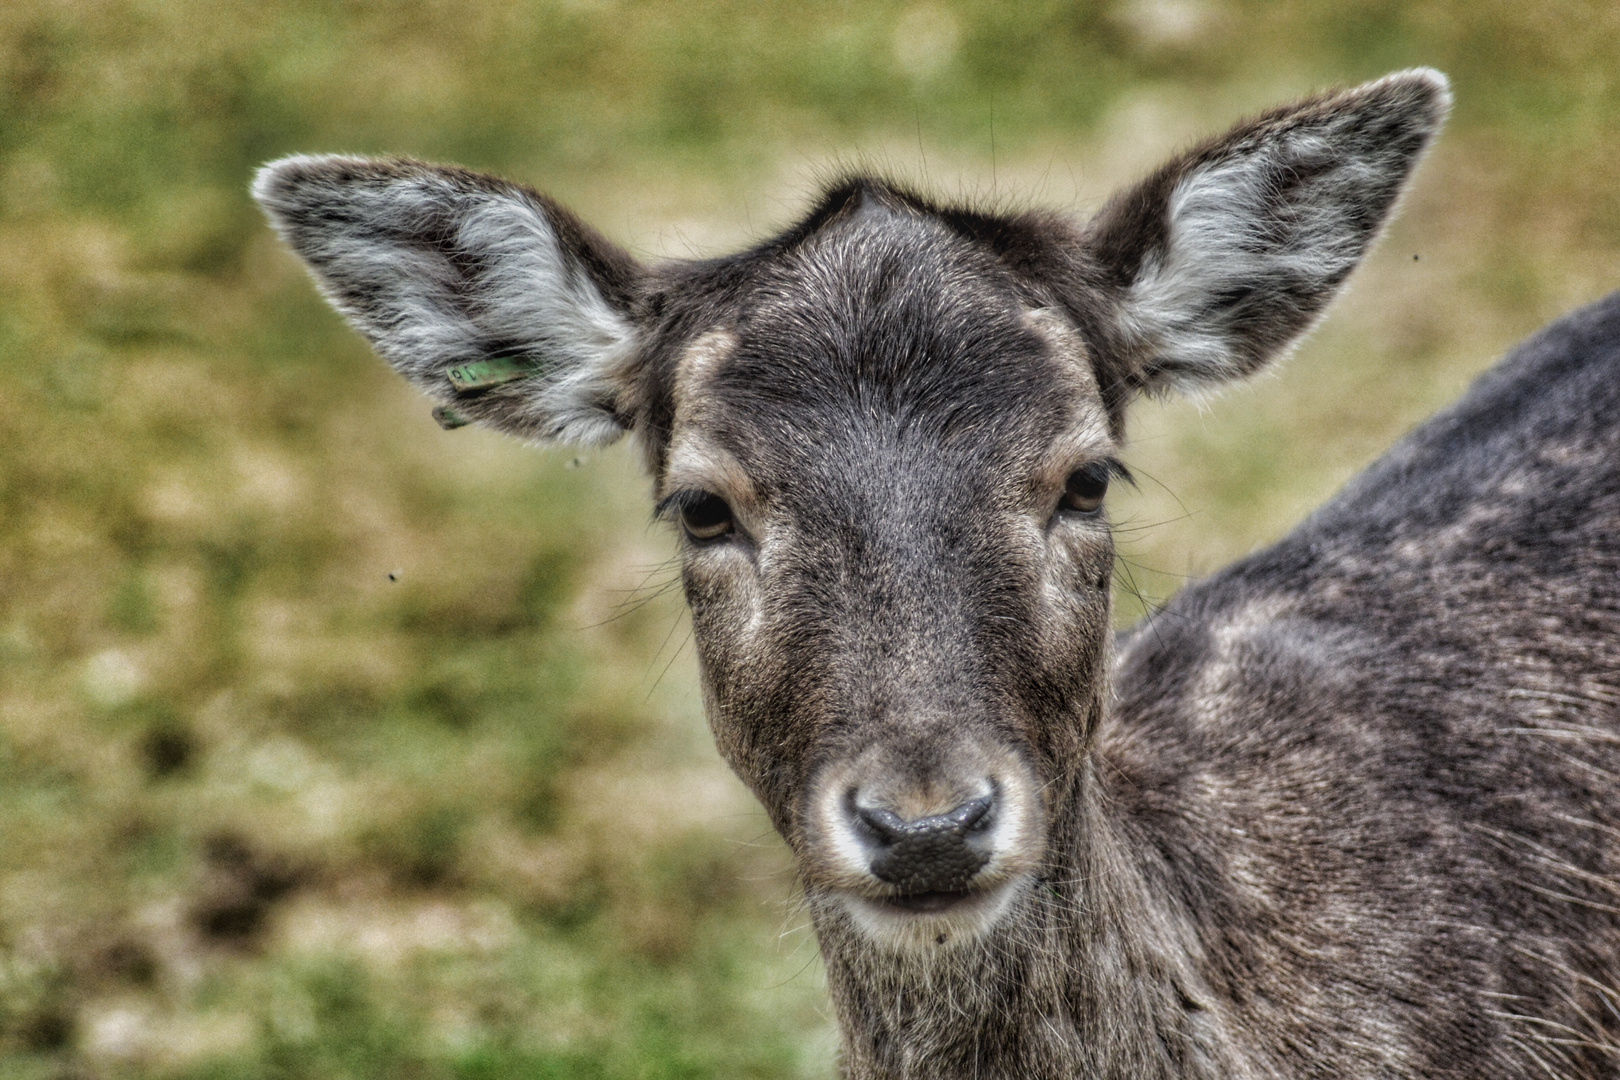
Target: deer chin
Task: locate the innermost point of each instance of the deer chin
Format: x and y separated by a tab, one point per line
928	922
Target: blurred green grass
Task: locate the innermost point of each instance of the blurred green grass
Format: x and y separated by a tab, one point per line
334	745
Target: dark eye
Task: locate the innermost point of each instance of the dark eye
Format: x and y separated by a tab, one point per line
706	517
1084	490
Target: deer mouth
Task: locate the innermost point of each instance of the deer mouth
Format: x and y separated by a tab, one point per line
929	903
927	920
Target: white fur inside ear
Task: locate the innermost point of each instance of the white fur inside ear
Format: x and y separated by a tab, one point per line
1231	237
532	293
437	270
1254	234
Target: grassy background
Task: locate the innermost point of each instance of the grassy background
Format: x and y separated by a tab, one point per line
334	745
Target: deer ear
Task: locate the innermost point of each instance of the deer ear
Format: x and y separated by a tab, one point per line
1225	256
492	299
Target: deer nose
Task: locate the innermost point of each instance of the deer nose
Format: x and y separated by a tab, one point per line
930	854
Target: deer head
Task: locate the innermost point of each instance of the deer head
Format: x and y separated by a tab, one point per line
885	438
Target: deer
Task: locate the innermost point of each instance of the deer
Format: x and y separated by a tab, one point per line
1347	808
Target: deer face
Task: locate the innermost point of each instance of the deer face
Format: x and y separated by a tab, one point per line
888	472
885	438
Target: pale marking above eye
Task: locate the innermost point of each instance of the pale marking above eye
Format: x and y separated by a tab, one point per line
1066	345
1088	437
697	364
695	462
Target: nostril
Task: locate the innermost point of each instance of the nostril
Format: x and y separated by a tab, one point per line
885	825
972	816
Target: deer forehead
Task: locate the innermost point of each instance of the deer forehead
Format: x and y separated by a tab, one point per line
885	328
1030	431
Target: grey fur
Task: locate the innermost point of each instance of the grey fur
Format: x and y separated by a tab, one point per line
1346	809
438	267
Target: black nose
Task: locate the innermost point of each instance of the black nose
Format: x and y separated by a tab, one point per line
931	854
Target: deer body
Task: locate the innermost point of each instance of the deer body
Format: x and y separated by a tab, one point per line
1387	744
1342	810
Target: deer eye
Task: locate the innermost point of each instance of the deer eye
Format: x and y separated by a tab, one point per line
706	517
1084	490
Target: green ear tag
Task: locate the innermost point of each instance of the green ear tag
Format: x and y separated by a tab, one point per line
478	374
449	419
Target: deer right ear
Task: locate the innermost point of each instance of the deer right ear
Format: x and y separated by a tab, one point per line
1227	255
492	299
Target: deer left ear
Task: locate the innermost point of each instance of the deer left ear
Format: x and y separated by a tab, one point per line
1225	256
492	299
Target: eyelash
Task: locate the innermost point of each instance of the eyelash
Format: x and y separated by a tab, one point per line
1085	487
704	517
